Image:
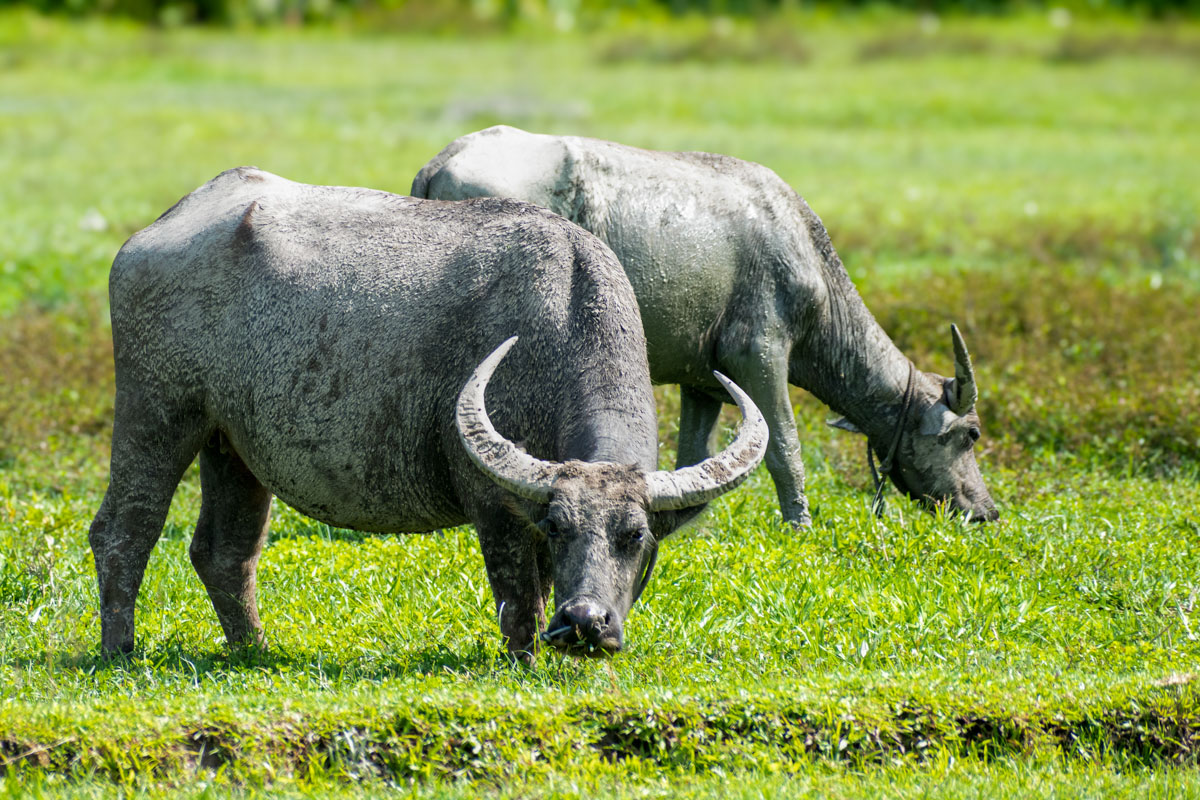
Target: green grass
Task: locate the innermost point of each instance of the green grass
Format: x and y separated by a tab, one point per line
1037	186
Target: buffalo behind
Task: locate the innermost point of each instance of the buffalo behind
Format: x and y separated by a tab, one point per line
734	272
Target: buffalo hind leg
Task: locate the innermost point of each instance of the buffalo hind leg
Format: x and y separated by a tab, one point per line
521	576
698	413
763	376
234	512
149	456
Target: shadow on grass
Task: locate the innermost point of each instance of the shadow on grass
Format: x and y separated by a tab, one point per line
476	660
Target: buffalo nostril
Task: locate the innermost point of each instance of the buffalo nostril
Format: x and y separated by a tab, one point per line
592	621
585	626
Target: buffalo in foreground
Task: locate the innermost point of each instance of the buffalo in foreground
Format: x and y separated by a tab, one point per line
332	346
733	271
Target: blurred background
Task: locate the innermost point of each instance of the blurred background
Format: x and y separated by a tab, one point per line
561	14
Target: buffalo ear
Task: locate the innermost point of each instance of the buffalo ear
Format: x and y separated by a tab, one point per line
844	424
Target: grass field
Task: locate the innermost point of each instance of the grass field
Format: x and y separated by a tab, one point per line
1039	186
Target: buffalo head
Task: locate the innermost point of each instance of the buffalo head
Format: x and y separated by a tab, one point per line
934	442
602	521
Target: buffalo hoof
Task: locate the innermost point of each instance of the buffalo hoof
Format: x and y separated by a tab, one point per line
523	657
120	653
798	518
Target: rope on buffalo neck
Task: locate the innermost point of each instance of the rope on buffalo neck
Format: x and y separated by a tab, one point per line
885	467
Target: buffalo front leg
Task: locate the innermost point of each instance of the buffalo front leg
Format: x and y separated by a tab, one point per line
234	512
521	576
698	413
148	459
763	376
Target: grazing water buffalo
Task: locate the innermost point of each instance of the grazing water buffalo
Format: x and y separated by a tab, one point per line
733	271
314	343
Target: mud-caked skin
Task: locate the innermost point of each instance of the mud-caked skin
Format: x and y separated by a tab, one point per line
311	342
734	272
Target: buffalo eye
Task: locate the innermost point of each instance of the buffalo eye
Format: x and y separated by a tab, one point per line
973	432
549	527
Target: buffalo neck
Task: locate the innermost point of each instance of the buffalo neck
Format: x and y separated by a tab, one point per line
610	421
850	363
617	438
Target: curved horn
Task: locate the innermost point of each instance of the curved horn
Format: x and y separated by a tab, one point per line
498	458
965	392
713	477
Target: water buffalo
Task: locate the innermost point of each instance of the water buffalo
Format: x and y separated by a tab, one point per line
733	271
318	343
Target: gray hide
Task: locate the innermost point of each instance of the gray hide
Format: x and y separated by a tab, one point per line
311	342
733	271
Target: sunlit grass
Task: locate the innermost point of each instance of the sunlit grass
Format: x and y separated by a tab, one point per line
1042	194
